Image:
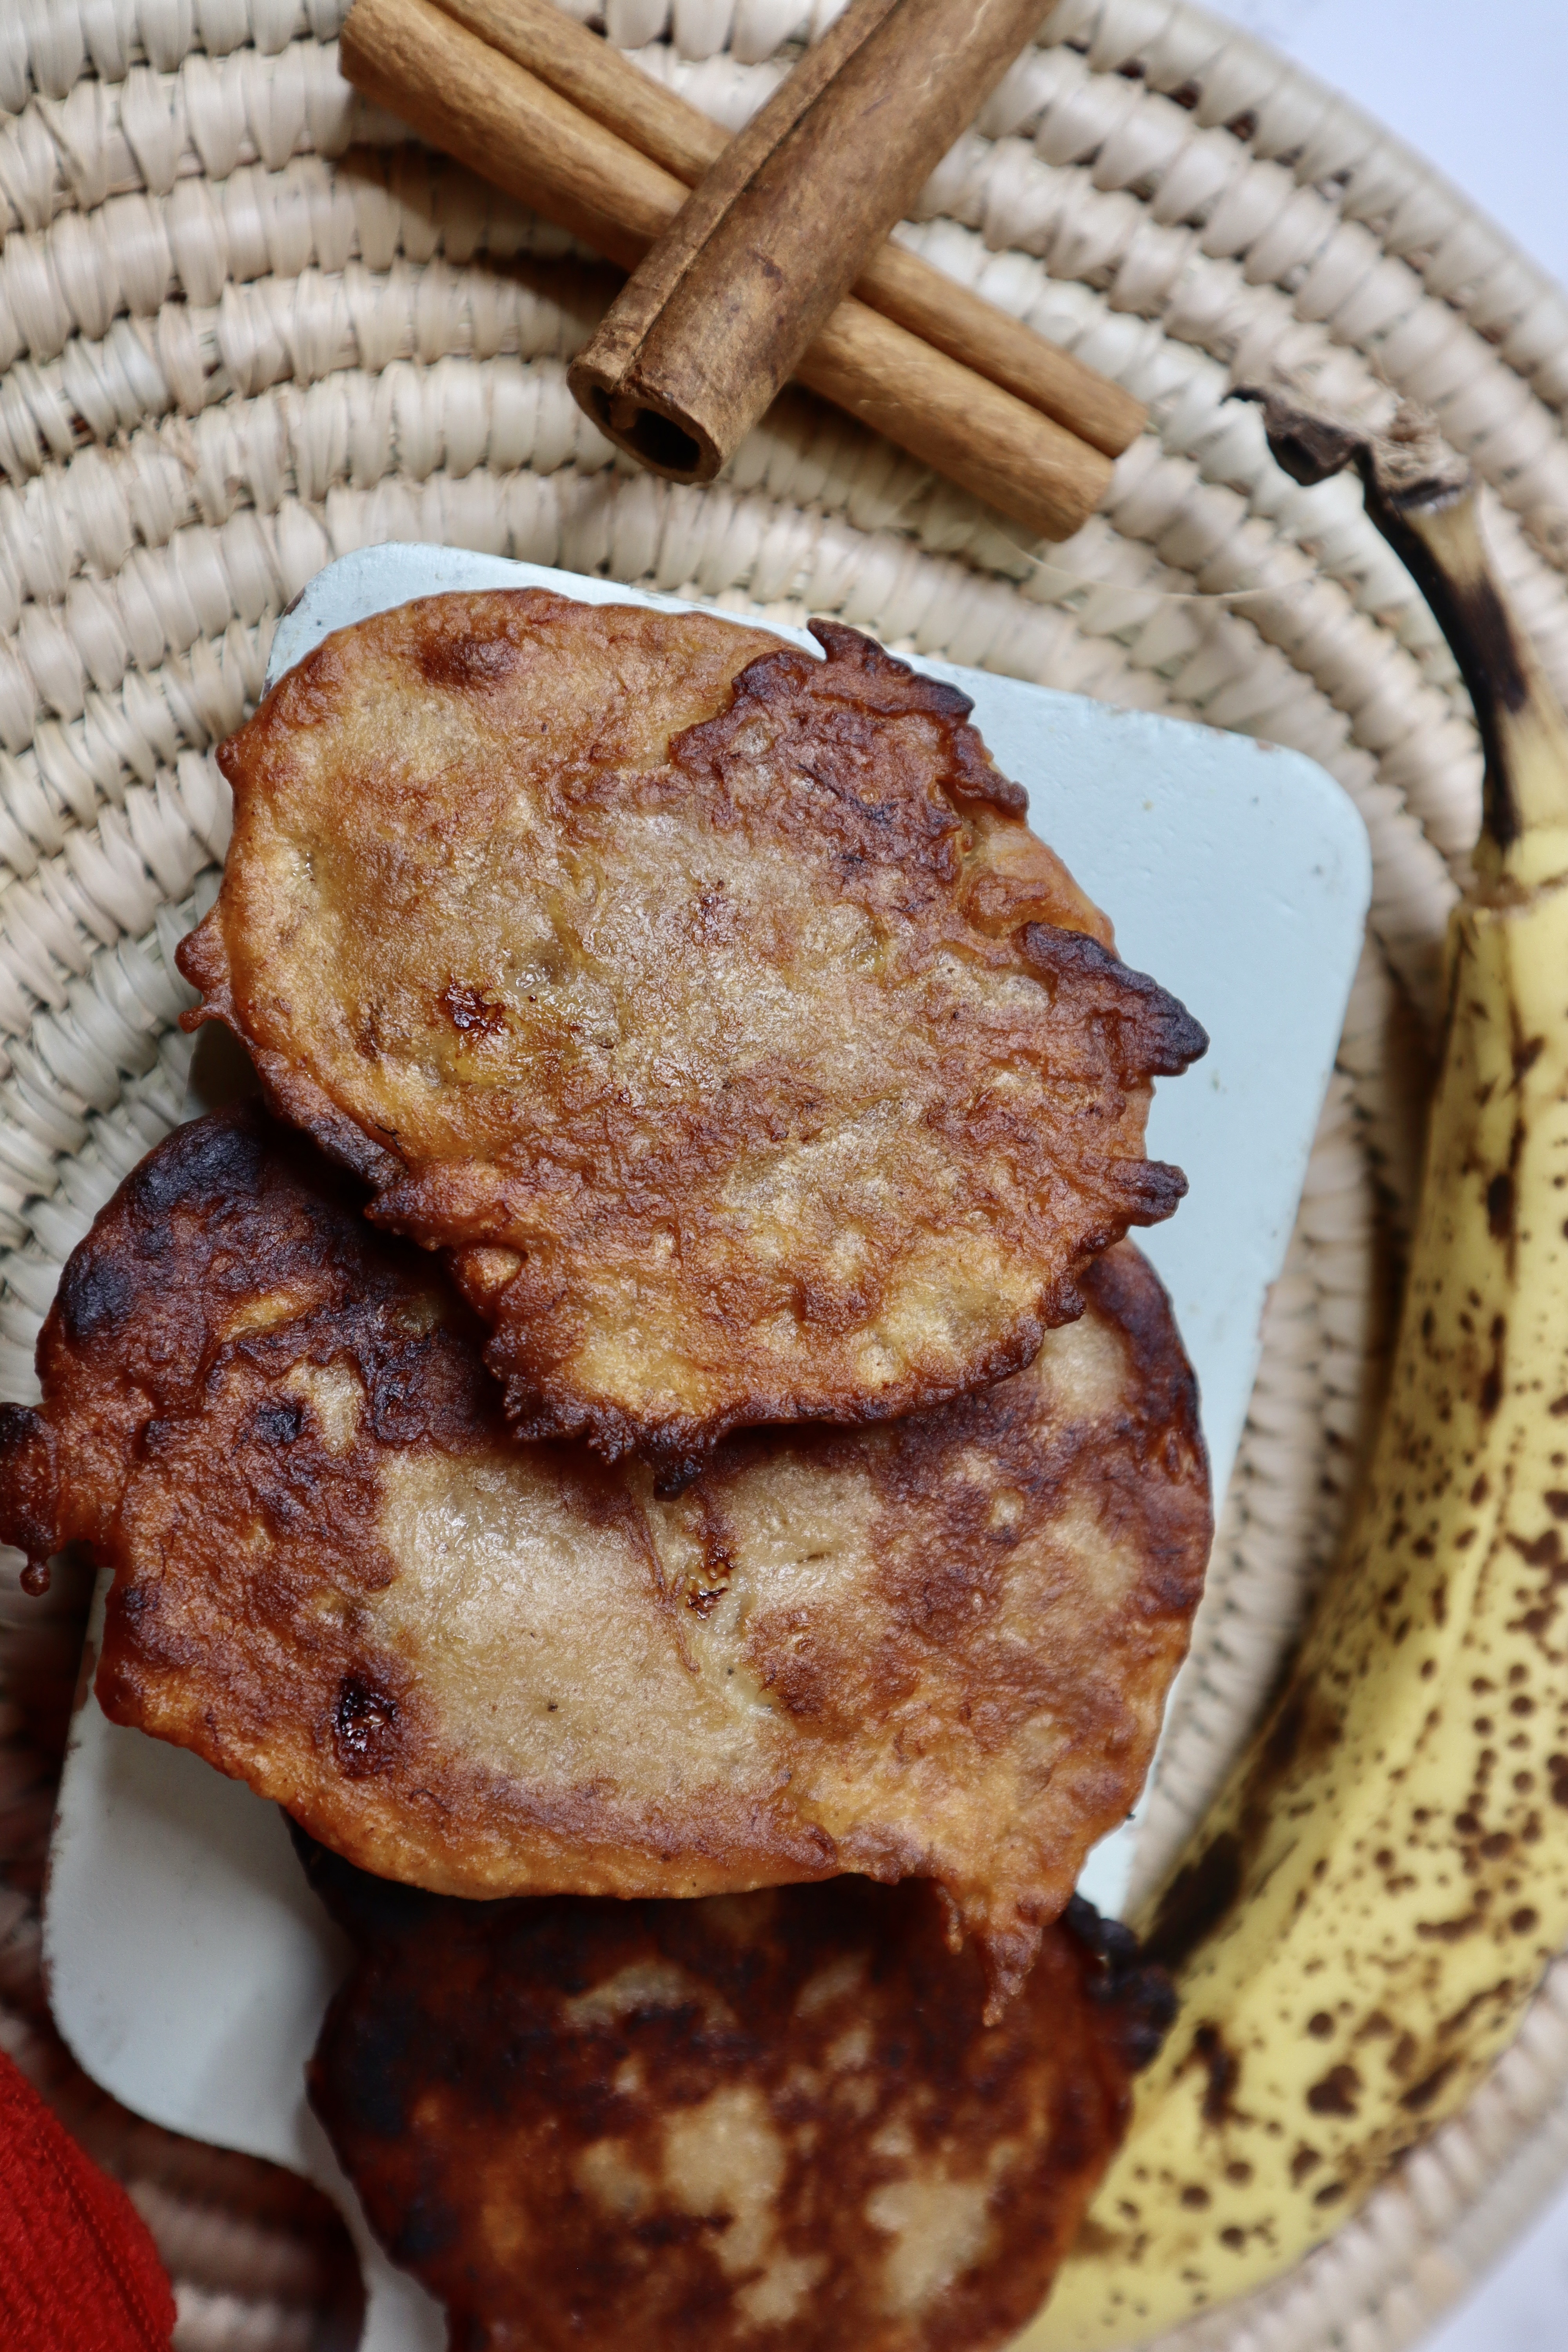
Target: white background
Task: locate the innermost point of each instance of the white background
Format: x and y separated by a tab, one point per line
1481	87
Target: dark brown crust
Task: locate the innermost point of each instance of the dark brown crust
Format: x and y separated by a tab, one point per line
711	1003
556	2166
936	1648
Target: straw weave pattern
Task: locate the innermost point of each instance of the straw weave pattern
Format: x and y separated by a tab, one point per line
245	326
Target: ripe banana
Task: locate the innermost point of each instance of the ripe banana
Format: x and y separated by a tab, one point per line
1361	1919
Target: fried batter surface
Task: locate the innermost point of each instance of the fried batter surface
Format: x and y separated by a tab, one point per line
933	1648
712	1003
772	2120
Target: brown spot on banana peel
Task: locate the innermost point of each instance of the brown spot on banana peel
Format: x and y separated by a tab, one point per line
1305	1727
1337	2093
1201	1894
1421	2094
1222	2070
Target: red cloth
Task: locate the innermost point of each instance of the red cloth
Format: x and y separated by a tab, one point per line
77	2270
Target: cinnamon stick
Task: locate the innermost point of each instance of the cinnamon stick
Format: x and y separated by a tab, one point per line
718	317
508	126
505	123
586	68
598	80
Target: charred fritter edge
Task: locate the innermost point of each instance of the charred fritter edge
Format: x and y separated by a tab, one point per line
1115	1027
232	1275
773	2116
146	1309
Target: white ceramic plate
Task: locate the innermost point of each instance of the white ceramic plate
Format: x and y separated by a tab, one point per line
188	1966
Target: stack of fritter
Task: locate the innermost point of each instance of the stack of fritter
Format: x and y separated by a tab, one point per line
774	1465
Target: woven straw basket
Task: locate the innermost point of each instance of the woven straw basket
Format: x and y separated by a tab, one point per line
244	327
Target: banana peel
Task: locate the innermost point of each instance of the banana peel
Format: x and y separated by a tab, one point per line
1361	1921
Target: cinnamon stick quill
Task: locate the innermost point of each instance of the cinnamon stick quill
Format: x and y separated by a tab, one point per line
586	68
505	123
720	314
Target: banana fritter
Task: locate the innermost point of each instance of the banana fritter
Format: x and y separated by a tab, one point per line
711	1003
772	2120
937	1648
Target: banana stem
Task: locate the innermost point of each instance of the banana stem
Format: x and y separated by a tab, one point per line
1422	497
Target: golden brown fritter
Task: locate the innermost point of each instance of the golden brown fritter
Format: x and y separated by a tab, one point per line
767	2120
712	1003
937	1648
